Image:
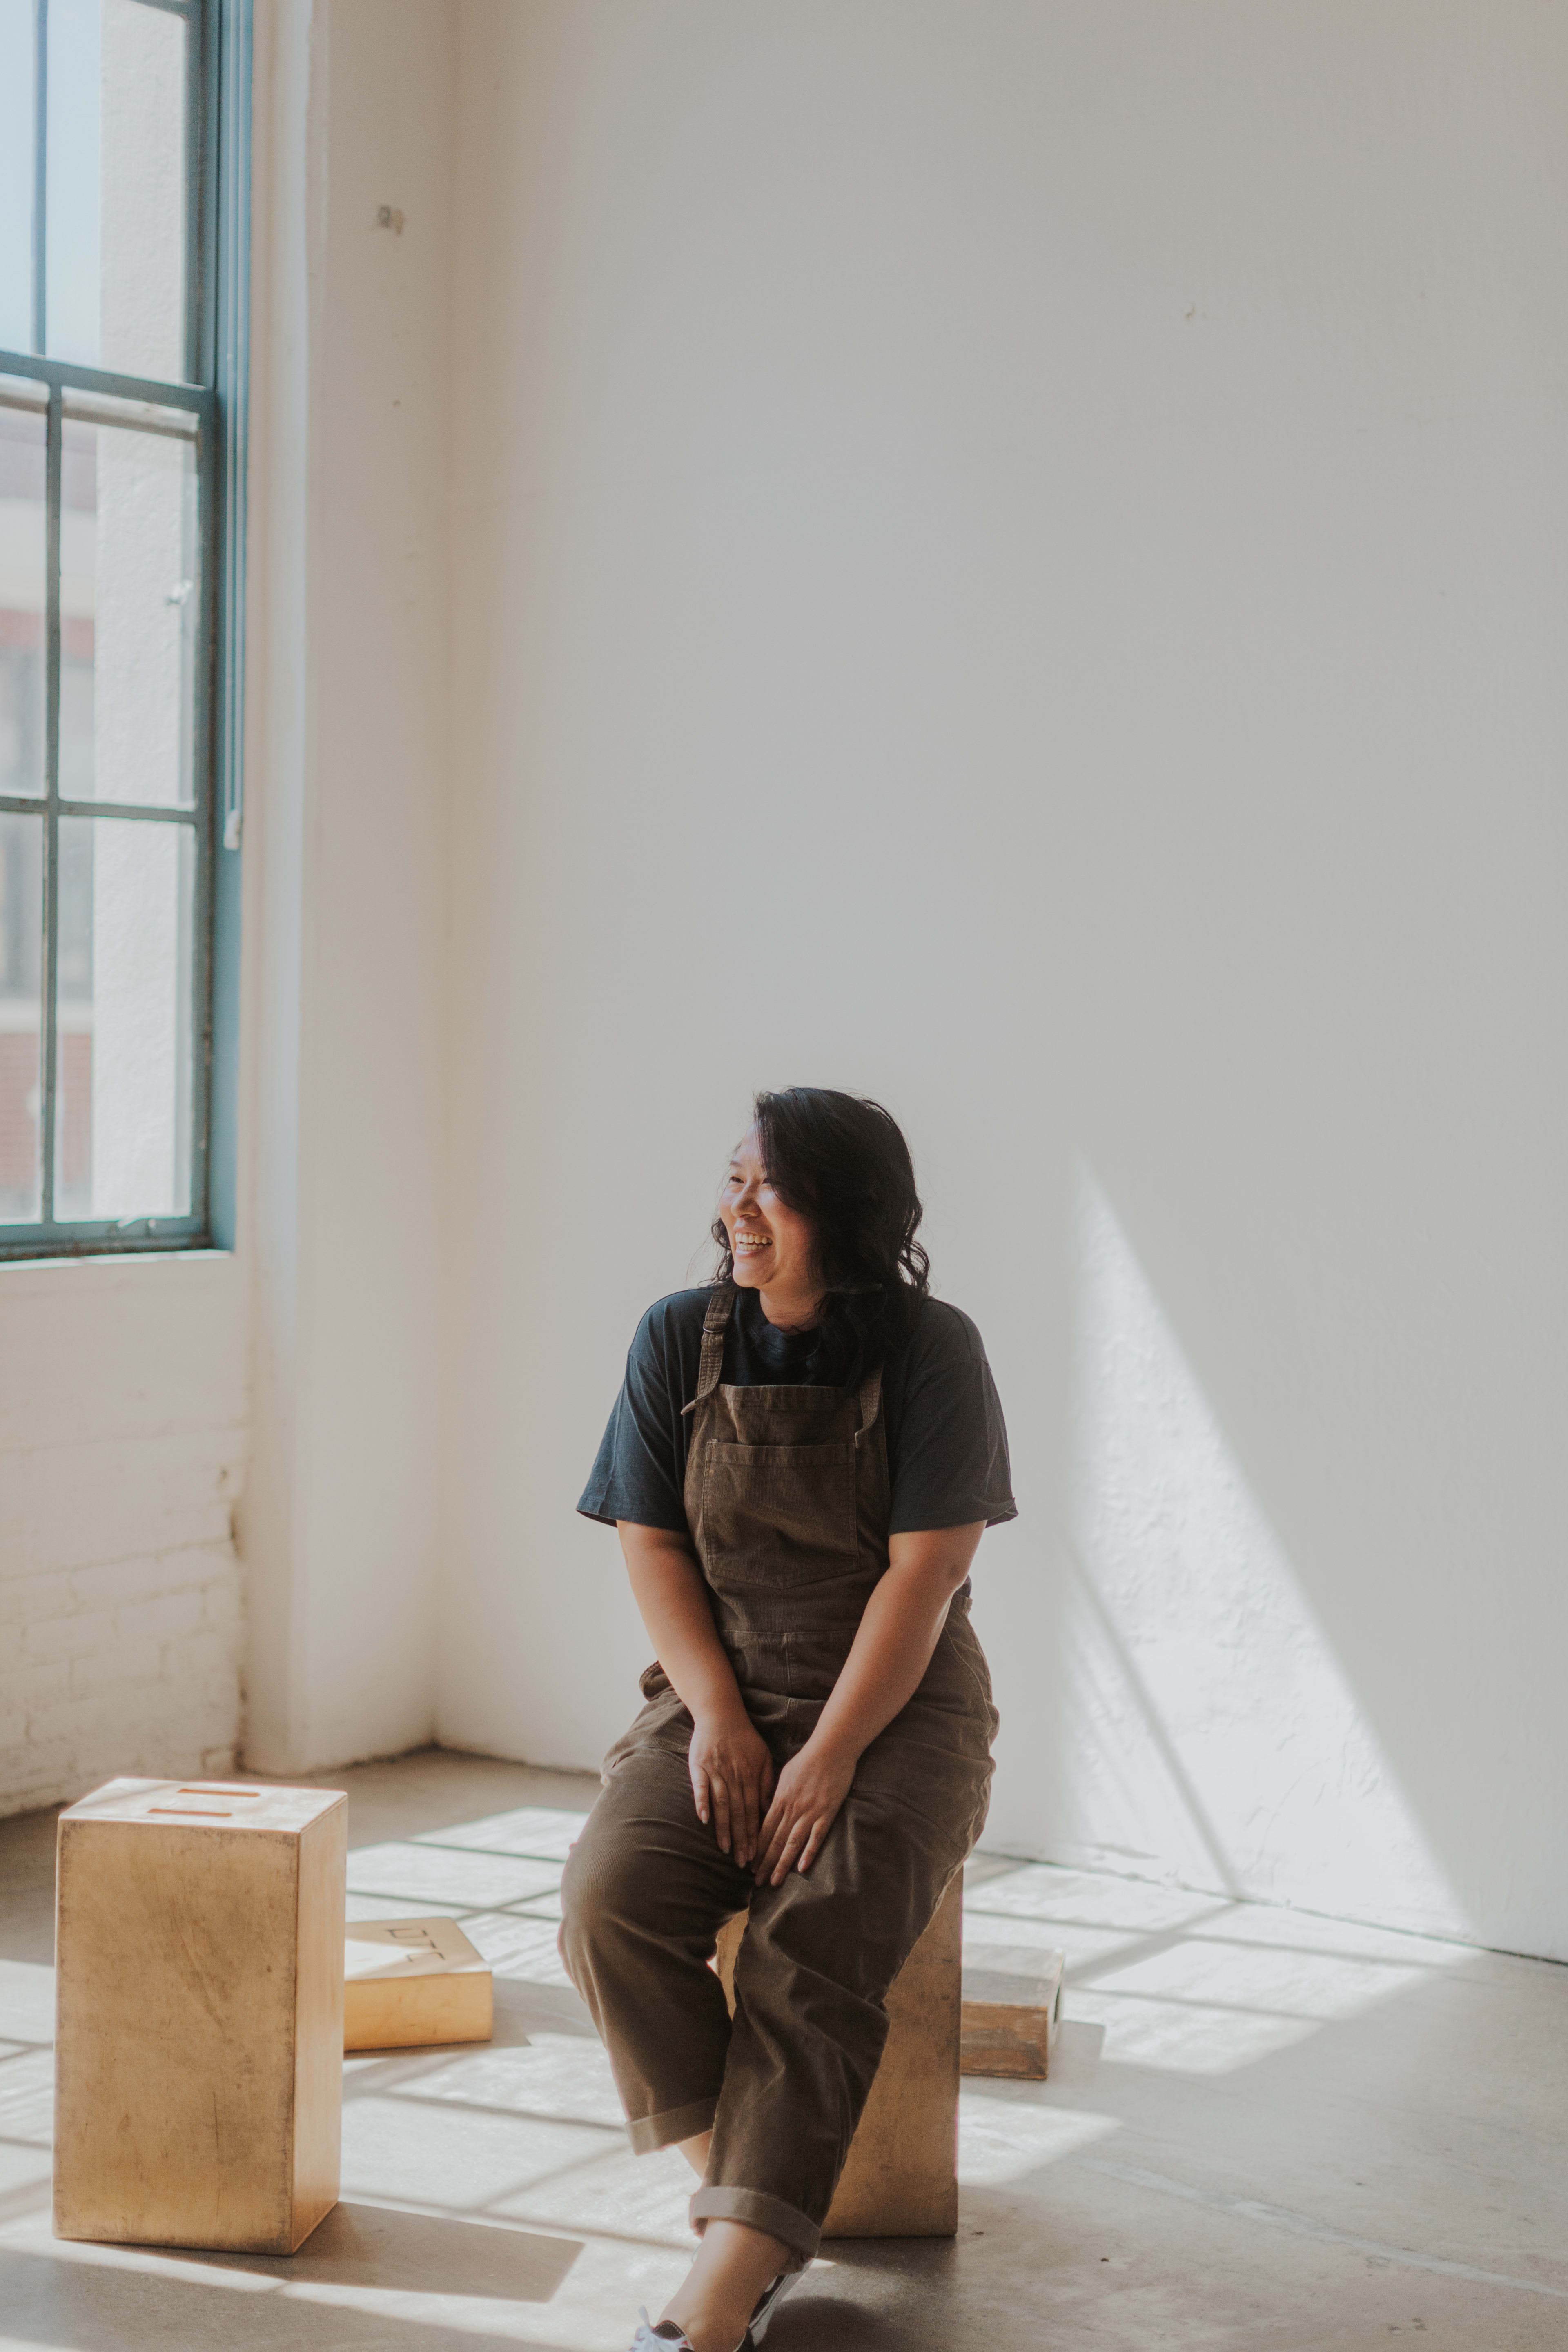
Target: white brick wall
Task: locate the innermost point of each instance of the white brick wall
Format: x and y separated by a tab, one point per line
122	1448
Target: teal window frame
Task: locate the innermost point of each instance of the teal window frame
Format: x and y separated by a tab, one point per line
217	186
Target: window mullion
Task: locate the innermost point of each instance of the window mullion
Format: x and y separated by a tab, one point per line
131	811
52	485
198	202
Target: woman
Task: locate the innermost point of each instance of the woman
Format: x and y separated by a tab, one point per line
800	1466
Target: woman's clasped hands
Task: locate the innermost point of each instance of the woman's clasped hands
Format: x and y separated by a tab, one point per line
733	1781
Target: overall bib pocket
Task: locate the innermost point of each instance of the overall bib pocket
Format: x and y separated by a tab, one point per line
778	1515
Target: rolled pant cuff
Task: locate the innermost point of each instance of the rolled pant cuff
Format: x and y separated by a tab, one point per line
763	2212
649	2132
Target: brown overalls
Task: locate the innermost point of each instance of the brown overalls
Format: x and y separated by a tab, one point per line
787	1498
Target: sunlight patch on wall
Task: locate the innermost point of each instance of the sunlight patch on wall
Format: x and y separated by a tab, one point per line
1211	1736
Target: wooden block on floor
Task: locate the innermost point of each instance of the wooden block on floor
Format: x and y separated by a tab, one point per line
408	1983
199	2051
1010	2014
900	2178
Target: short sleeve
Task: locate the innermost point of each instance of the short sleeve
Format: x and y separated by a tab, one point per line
640	1471
948	1455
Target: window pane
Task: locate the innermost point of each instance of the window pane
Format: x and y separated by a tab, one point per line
130	608
123	1082
16	18
71	198
21	1015
23	549
116	217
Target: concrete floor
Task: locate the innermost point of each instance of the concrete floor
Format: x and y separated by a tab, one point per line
1265	2130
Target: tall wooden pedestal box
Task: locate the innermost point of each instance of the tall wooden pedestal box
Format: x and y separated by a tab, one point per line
900	2176
199	2047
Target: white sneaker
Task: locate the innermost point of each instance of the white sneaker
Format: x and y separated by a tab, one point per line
668	2337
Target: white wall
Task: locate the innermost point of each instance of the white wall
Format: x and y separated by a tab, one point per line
346	907
122	1446
1010	556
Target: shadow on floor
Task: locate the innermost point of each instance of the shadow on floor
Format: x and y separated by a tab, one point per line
28	1875
1076	2053
90	2306
821	2321
881	2295
422	2253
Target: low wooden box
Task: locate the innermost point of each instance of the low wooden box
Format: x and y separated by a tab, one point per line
199	2046
408	1983
900	2178
1011	2014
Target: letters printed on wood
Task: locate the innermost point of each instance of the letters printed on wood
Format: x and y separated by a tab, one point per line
410	1983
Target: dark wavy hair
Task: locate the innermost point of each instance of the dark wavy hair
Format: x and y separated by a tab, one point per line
841	1161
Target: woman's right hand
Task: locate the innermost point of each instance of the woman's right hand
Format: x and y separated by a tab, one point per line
732	1780
731	1770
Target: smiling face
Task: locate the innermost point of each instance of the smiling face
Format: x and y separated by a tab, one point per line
772	1244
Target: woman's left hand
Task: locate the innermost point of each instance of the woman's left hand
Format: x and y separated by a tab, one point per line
811	1788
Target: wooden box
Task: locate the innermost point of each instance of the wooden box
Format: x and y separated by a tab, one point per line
411	1982
1011	2014
199	2046
900	2178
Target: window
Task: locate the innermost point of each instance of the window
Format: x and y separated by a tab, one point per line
122	164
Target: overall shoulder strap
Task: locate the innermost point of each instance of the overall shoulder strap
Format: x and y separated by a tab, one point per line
710	1363
870	1402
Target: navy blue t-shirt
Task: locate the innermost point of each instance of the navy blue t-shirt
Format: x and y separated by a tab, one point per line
947	1442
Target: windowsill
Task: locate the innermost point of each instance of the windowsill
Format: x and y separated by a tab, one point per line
103	1267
